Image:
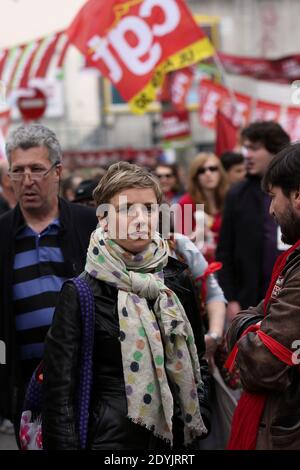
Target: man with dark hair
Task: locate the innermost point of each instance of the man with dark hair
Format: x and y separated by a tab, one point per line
249	245
264	134
84	193
234	165
268	355
43	241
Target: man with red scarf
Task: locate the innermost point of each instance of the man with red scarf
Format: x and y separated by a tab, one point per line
265	339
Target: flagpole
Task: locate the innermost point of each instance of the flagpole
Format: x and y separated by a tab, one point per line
222	71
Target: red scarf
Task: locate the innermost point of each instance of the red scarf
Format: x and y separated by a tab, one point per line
211	268
250	407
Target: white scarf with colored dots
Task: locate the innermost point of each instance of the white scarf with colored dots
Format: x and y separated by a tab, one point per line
157	343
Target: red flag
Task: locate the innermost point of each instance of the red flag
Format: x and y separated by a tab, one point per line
226	132
265	111
180	86
136	42
282	70
239	110
212	96
175	125
176	87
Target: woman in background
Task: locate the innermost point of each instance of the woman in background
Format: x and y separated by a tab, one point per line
169	182
207	185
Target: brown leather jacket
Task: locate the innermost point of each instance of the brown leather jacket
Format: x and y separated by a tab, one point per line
262	372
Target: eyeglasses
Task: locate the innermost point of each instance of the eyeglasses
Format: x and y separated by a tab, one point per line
36	173
167	175
203	170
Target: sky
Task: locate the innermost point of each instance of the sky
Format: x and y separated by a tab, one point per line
24	20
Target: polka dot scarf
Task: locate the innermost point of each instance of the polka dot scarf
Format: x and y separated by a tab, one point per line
157	344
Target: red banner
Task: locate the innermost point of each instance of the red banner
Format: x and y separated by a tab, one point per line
240	112
265	111
175	125
215	97
38	59
180	86
211	98
176	87
105	157
290	121
283	70
135	42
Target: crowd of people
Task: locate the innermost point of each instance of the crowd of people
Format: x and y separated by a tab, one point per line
193	329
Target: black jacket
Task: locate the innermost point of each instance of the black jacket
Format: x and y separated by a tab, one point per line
108	428
4	207
77	223
240	247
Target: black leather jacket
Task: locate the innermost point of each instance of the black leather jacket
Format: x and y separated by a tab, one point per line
109	428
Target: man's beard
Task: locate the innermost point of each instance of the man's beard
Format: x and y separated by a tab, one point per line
289	223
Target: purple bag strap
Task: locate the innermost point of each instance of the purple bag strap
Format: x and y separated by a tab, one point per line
87	307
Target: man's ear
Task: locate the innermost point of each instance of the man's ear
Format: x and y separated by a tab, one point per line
296	199
58	170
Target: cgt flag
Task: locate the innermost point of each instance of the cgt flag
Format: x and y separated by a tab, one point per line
136	42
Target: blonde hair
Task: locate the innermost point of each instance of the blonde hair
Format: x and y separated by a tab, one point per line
194	187
124	175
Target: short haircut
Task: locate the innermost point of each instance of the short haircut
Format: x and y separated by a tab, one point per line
284	170
124	175
34	135
229	159
270	134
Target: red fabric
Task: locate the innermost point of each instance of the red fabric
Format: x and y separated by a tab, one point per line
278	267
211	268
246	421
250	407
98	19
226	134
169	195
216	226
181	222
276	348
212	239
232	356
